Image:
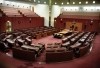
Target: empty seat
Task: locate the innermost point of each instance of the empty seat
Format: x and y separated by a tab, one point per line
82	51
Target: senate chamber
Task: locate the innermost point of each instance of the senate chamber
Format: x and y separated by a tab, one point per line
49	33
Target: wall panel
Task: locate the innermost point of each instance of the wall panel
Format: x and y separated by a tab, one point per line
21	22
89	27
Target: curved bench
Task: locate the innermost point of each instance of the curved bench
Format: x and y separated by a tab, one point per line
23	54
59	56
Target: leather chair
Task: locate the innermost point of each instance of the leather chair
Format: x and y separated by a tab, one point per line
59	56
23	54
82	51
3	47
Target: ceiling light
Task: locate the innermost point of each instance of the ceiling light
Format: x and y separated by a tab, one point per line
86	2
93	2
1	1
73	2
55	3
79	2
7	2
38	1
67	2
62	3
45	2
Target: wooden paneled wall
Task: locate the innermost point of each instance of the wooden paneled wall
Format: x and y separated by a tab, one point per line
21	22
61	23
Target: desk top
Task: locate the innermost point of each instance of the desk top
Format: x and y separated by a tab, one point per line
64	31
75	45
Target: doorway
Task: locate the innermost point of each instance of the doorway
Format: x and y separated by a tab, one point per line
8	26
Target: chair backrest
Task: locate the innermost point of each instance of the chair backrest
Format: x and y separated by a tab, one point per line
84	50
59	56
2	46
23	54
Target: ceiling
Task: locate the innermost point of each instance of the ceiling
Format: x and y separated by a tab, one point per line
60	2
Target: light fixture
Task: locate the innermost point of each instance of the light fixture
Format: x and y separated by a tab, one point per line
79	2
1	1
91	23
7	2
30	19
86	2
93	2
38	1
67	2
45	2
55	3
34	0
73	2
62	3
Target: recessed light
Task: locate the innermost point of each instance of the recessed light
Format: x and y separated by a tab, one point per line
67	2
79	2
93	2
86	2
73	2
62	3
55	3
38	1
1	1
45	2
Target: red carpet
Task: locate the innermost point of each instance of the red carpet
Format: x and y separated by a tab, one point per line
92	60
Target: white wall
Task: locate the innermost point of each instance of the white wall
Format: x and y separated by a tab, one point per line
43	11
54	13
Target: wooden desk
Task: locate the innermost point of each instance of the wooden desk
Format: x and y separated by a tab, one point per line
75	45
64	31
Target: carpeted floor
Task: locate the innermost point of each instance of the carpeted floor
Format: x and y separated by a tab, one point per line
92	60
